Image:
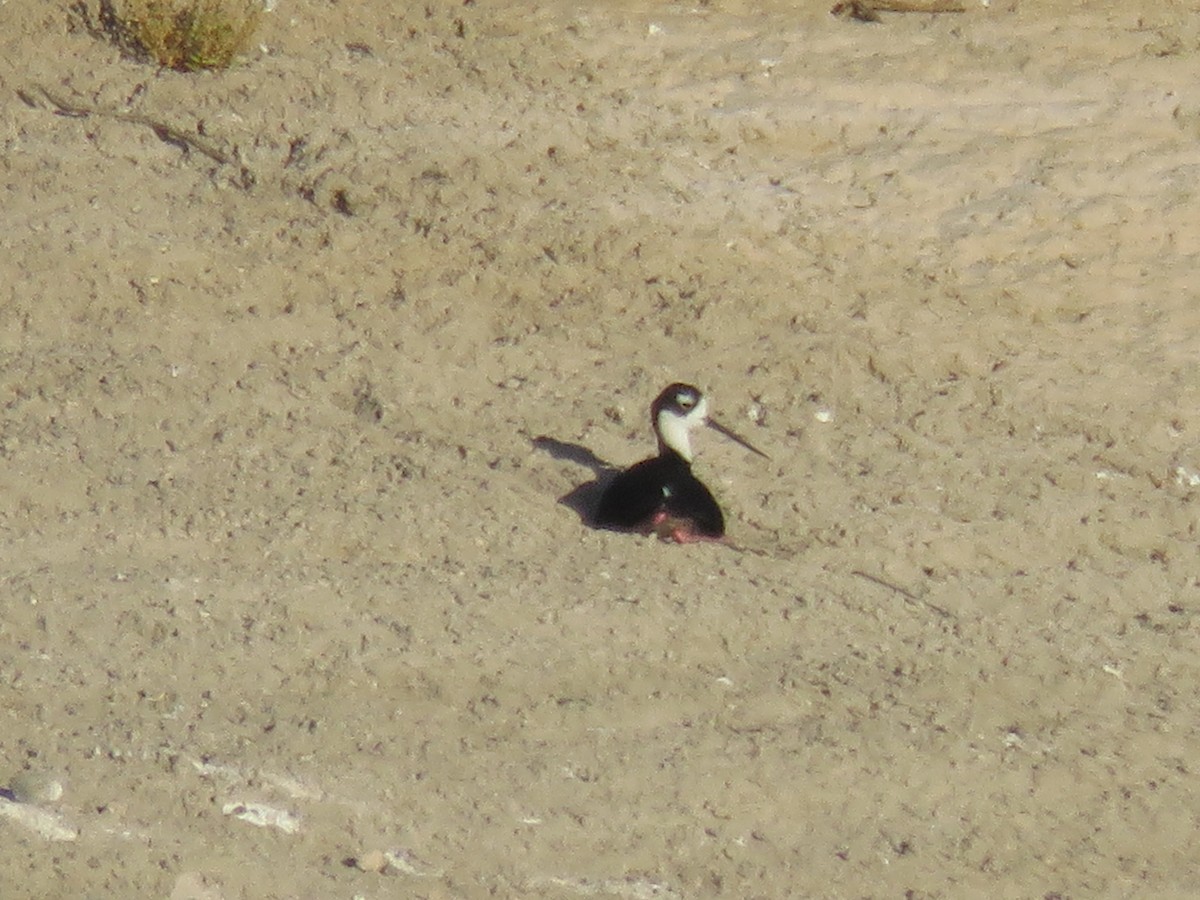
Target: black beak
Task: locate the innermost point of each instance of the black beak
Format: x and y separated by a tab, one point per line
733	436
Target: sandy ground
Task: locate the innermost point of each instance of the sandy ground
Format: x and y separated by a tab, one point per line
292	603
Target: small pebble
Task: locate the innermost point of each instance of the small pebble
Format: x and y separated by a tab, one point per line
372	861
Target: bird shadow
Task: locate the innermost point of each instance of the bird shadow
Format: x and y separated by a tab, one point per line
584	498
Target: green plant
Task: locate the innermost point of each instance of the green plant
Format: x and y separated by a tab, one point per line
188	35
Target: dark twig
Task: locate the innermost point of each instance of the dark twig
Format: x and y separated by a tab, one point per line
165	132
869	10
905	593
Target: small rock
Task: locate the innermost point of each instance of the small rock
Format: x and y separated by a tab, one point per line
33	787
372	861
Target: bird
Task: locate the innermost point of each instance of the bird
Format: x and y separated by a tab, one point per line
660	495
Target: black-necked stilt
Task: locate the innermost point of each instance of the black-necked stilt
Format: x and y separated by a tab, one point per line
660	495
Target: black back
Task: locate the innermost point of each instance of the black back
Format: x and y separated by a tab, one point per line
662	484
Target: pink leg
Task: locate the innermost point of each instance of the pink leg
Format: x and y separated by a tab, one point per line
667	527
682	535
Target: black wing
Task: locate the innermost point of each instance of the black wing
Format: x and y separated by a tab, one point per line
663	484
691	501
633	497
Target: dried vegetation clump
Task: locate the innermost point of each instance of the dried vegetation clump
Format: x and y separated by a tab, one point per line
188	35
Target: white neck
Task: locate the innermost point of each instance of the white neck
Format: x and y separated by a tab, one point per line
675	431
